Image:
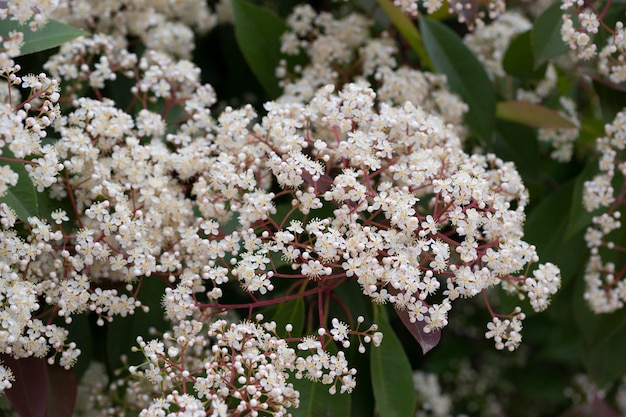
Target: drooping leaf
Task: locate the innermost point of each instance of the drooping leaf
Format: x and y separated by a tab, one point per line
466	76
50	36
29	392
23	196
62	390
531	114
408	30
392	379
546	35
315	400
258	32
427	341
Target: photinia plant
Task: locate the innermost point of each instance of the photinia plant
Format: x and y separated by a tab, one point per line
239	208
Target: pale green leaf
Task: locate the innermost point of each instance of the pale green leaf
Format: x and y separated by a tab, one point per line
531	114
50	36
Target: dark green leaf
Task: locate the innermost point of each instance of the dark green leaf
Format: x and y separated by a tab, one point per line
546	35
533	115
518	59
316	401
123	331
466	75
289	312
604	339
545	228
23	196
53	34
518	144
392	377
408	30
258	32
611	100
579	217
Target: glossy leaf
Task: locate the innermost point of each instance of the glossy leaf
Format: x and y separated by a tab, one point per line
546	35
531	114
408	30
603	339
30	389
123	331
392	378
258	32
315	400
579	217
546	227
611	101
518	144
289	312
466	76
518	59
23	196
50	36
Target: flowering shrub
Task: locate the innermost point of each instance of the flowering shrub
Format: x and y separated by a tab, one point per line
316	212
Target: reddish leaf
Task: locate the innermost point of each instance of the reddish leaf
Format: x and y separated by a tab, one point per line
29	392
427	341
61	392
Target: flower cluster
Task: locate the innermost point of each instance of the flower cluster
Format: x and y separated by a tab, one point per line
341	48
603	195
168	26
581	22
491	41
336	183
468	12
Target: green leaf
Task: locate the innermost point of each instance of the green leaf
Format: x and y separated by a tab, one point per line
466	75
289	312
258	32
611	101
23	196
408	30
546	35
579	217
603	337
533	115
123	331
518	144
392	378
545	228
518	59
315	400
50	36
